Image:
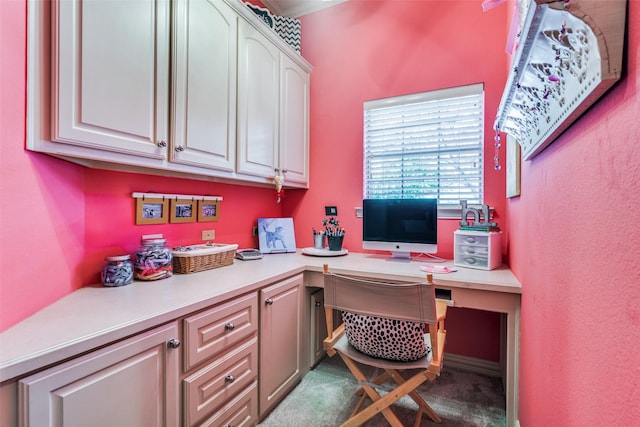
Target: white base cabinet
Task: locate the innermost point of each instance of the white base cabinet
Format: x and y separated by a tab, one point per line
131	383
280	341
236	361
221	363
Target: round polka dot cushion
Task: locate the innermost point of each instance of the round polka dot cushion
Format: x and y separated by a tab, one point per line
385	338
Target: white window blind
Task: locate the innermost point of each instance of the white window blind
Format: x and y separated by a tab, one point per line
426	145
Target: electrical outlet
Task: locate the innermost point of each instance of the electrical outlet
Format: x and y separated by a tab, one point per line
208	234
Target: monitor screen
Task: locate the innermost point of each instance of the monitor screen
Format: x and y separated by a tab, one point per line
401	226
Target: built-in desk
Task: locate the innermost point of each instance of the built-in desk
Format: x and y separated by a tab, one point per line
95	316
496	290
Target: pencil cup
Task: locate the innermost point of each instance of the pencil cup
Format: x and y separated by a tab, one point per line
318	241
335	243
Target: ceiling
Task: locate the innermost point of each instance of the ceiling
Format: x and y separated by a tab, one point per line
295	8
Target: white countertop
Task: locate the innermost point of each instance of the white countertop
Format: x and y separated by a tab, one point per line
96	315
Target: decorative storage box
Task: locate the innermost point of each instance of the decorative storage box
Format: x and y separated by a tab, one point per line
477	249
191	259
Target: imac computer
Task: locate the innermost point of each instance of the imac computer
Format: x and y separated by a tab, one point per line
401	226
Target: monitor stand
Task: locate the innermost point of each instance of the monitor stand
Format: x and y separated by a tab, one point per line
400	256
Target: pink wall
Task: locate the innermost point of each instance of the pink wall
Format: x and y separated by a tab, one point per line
41	199
367	50
88	214
374	49
110	213
58	221
574	247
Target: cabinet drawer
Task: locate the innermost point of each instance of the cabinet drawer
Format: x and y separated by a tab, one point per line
242	411
472	250
471	261
219	328
466	239
217	383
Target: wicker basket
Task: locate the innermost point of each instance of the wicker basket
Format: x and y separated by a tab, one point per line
191	259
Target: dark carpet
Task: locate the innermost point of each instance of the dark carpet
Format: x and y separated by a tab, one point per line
326	396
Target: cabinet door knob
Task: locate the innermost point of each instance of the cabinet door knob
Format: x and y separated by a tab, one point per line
179	148
162	143
268	301
229	379
229	326
173	343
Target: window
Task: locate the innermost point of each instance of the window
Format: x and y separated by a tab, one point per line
426	145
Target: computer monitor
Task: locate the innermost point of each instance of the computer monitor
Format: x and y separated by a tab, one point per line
401	226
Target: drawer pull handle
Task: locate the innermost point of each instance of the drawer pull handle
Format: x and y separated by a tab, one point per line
229	326
268	301
173	343
162	143
229	379
470	239
179	148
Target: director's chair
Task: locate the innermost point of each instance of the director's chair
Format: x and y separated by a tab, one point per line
384	327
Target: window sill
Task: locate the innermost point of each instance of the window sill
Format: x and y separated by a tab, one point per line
444	212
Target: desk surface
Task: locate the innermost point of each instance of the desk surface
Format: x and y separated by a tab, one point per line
371	265
96	315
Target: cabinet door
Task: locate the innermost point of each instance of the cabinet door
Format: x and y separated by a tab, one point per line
294	122
258	97
131	383
280	321
110	75
204	85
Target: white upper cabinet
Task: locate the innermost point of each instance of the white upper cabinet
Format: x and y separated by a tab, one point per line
258	101
273	110
110	75
204	84
189	88
294	122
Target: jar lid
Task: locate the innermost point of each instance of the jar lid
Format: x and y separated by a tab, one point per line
153	241
117	258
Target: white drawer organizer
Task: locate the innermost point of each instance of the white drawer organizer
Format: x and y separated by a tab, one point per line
477	249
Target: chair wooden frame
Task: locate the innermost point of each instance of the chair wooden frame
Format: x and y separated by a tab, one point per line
402	301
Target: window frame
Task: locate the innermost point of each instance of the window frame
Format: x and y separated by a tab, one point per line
439	141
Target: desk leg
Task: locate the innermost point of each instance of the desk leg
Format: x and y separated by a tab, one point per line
512	373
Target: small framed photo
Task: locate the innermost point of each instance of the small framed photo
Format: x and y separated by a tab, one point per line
183	210
513	167
152	211
208	210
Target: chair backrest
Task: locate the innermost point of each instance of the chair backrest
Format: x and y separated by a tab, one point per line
401	301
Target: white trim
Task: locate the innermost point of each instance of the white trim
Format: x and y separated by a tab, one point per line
472	364
432	95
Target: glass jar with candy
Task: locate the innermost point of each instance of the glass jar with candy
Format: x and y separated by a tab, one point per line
117	271
153	260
